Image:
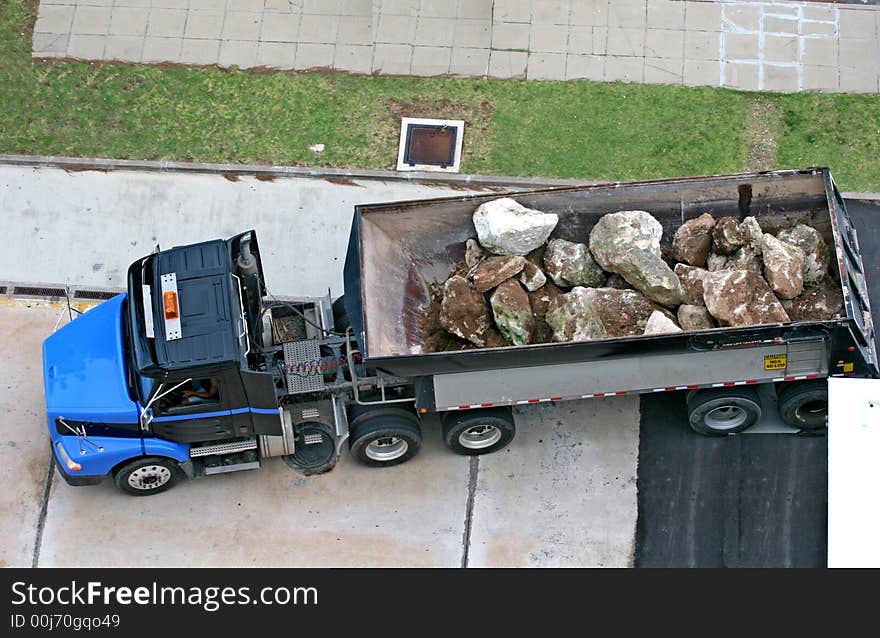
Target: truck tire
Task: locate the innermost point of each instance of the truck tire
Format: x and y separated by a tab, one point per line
315	451
479	431
147	476
384	436
804	404
723	411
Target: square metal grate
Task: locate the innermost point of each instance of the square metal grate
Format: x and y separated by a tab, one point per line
430	145
302	360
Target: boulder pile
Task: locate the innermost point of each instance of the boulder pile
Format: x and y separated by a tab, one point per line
516	285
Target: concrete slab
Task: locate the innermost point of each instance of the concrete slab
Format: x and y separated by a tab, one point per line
564	492
24	443
410	515
57	215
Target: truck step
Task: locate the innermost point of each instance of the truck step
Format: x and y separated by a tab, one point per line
238	467
303	363
224	448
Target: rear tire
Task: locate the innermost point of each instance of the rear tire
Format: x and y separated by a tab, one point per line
804	404
479	431
384	436
147	476
724	411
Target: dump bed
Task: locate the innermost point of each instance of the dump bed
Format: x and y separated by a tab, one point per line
397	250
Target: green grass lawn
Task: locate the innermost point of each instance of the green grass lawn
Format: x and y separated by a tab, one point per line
554	129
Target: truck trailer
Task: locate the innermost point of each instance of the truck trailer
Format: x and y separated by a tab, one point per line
197	369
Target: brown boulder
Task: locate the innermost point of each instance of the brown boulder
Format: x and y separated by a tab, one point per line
691	279
693	239
727	236
741	298
540	301
783	267
694	317
464	312
495	270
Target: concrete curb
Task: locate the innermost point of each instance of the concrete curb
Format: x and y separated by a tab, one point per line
263	170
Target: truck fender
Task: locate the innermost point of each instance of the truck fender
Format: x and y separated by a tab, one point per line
173	450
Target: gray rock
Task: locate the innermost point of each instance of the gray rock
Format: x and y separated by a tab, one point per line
819	303
691	279
692	317
727	236
473	253
505	227
658	324
752	234
532	277
693	239
494	270
628	243
716	262
570	264
783	267
741	298
597	313
513	312
816	251
572	317
464	312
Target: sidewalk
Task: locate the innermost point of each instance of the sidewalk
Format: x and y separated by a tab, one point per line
772	46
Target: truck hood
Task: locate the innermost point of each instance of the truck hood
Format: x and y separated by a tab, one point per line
84	368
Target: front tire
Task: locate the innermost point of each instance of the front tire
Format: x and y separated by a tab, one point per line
724	411
147	476
804	404
478	432
384	436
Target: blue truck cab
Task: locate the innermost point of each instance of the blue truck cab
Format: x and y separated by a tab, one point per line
160	382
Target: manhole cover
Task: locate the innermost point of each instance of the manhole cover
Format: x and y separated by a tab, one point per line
430	145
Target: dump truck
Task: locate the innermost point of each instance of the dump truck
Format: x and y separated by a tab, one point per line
197	369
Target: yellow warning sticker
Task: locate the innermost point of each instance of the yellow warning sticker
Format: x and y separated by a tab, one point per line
775	361
847	367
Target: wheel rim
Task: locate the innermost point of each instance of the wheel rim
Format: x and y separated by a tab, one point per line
479	437
812	412
386	448
149	477
725	417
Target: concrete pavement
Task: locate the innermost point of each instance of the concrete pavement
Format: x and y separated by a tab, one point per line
774	45
562	494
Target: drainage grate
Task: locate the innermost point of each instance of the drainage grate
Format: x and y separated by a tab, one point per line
431	145
35	291
94	294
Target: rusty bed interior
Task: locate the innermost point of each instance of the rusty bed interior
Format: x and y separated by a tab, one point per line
405	247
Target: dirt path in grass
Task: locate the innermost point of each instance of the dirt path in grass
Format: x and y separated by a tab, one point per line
762	121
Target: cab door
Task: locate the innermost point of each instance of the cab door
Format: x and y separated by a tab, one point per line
198	419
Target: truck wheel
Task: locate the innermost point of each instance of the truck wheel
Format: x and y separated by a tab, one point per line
146	476
804	404
478	432
315	449
385	436
723	411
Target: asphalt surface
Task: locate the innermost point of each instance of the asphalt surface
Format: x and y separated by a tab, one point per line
741	501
